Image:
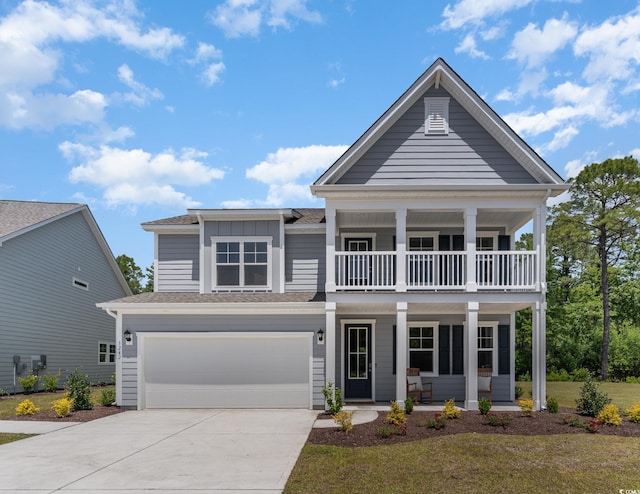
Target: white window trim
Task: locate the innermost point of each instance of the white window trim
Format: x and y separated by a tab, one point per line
108	344
488	234
345	236
440	129
421	324
241	286
431	234
494	349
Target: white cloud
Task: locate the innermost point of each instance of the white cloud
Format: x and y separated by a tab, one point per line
30	58
474	12
532	46
206	52
334	83
289	171
134	176
245	17
141	94
468	45
561	139
211	75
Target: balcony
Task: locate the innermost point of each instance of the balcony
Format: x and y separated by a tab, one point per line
433	270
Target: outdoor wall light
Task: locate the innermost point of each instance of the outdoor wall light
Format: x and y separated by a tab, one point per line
320	337
128	338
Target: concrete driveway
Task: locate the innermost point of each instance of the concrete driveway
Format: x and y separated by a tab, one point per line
161	451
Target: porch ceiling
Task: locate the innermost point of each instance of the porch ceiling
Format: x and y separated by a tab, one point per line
428	309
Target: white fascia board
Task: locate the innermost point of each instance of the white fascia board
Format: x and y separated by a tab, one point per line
317	308
174	229
243	214
301	229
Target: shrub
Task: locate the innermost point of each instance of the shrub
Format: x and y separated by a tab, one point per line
450	410
107	397
610	415
518	392
333	398
390	430
79	388
561	375
408	405
633	413
552	405
632	380
484	405
526	406
591	400
62	407
2	392
29	383
580	375
50	382
495	420
396	415
26	407
594	426
343	419
439	421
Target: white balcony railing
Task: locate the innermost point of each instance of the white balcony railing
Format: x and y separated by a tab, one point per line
496	270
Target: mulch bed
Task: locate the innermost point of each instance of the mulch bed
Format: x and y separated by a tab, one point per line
541	423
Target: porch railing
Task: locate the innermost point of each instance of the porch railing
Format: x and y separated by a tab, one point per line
434	270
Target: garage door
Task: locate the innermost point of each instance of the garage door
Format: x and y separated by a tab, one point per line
226	370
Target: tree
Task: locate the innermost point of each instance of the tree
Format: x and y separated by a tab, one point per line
132	272
604	212
150	275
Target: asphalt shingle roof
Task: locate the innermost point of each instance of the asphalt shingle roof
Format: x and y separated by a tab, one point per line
18	215
309	216
218	298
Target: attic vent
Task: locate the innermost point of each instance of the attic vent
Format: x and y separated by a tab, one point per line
80	284
436	116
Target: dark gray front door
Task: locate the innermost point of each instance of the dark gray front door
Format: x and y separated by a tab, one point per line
358	361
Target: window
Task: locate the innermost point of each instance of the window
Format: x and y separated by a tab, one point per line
423	346
242	262
436	116
487	340
106	353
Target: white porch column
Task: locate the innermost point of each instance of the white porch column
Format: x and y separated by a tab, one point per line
401	250
330	219
539	356
540	246
330	342
119	343
471	362
470	247
401	351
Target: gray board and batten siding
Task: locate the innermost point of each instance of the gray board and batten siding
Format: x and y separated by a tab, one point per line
167	323
43	312
466	155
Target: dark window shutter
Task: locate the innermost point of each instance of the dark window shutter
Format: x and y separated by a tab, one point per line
443	350
458	242
504	242
394	345
503	349
457	349
444	242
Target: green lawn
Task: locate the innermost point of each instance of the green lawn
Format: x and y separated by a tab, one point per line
6	437
482	462
622	394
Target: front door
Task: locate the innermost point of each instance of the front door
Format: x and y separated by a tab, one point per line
358	361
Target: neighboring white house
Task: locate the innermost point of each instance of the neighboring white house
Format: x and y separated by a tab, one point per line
411	263
54	266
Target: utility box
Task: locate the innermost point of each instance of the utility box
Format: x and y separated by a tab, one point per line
38	362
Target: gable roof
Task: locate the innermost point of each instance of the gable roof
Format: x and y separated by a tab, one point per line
20	217
441	74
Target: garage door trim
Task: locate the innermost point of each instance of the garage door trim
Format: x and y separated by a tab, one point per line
142	336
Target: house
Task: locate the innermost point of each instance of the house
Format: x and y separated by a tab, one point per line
54	266
411	263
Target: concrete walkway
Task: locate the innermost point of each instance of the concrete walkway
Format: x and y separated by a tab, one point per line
163	451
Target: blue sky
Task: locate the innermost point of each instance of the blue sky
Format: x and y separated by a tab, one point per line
142	109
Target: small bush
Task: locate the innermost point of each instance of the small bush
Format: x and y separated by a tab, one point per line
26	407
29	383
497	420
107	397
343	419
632	380
574	422
519	392
526	406
591	399
50	382
561	375
633	413
62	407
552	405
610	415
396	415
79	388
439	421
580	375
450	410
408	405
594	426
333	398
391	430
484	405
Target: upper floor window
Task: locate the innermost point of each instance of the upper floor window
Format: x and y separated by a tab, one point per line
436	116
242	262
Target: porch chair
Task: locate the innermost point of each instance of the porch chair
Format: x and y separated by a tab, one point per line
484	382
416	388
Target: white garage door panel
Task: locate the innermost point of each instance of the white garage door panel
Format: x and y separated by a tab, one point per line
227	370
